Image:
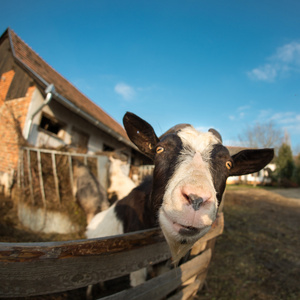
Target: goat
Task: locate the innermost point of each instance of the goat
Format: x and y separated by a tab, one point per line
120	184
89	193
184	192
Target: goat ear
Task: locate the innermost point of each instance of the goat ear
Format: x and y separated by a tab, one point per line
250	161
140	133
216	133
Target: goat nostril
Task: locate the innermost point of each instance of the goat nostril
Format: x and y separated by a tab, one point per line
195	201
187	198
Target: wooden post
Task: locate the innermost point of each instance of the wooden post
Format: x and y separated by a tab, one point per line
55	176
71	170
102	171
30	176
41	177
19	168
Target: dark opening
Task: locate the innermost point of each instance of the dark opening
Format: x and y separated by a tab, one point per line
50	125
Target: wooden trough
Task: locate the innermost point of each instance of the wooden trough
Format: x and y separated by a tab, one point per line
28	269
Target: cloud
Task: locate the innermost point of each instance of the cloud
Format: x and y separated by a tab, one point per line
265	73
286	120
242	108
240	113
285	61
126	91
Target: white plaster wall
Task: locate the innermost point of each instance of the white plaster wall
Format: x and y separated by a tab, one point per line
36	101
41	138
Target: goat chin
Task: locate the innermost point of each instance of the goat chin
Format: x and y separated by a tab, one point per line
180	245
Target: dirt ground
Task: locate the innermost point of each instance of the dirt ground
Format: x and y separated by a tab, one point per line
257	257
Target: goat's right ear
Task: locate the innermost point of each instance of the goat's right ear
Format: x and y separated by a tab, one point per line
140	133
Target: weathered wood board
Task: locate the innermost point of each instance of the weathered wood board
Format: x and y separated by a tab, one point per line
42	268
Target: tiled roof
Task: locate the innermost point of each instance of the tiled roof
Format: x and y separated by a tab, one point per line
32	60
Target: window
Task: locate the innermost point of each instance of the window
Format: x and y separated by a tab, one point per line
51	125
108	148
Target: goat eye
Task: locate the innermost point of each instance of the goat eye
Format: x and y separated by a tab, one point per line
160	149
228	164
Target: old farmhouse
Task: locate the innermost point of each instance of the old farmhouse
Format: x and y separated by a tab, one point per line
40	107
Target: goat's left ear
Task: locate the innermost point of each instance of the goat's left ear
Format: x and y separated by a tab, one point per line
250	161
216	134
140	133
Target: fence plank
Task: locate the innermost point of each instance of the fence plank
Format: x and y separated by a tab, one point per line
71	170
36	269
41	268
55	176
161	286
30	176
102	162
41	178
187	292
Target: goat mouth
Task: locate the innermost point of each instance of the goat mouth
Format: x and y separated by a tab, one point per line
183	230
188	230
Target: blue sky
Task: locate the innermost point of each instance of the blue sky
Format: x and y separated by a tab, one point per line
222	64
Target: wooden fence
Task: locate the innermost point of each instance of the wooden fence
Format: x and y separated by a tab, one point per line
46	164
31	158
30	269
43	268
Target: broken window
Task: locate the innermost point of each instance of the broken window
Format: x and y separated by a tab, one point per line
108	148
52	125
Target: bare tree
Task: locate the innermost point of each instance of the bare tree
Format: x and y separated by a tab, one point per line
261	135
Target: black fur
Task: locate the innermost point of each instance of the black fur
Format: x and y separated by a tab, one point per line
135	210
219	156
164	167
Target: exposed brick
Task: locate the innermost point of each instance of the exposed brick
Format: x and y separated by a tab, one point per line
12	113
5	82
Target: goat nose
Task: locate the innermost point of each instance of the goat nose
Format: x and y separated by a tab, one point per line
195	201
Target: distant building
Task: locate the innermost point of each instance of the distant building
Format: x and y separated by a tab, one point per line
42	108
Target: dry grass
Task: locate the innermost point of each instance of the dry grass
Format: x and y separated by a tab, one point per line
258	255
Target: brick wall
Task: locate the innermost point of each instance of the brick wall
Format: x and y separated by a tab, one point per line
12	121
5	82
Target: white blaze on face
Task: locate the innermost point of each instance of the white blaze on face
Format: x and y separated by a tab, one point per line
178	219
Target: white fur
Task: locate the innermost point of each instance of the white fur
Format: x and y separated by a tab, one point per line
104	224
120	184
138	277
